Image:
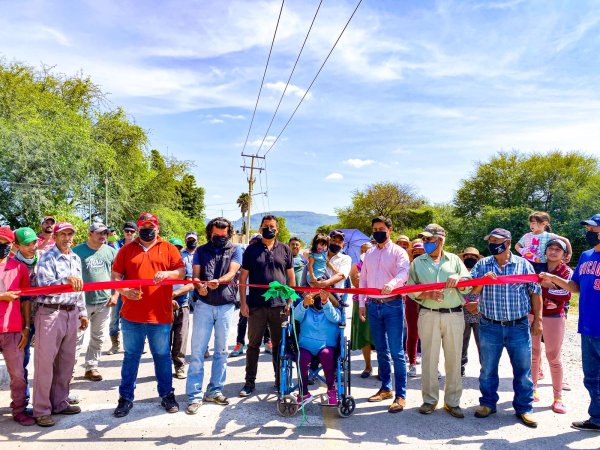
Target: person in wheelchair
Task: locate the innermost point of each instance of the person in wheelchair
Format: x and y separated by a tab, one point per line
319	320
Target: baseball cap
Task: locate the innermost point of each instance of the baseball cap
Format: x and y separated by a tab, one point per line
176	241
433	230
593	221
62	226
7	233
147	218
25	236
557	242
129	226
191	234
499	233
47	218
98	227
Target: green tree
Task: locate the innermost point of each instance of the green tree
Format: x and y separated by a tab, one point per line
243	202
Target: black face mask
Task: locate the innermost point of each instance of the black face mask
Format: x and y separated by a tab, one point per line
191	245
591	237
4	250
147	234
335	249
318	304
219	241
497	249
268	233
470	263
380	236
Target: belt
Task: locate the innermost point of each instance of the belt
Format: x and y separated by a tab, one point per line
507	323
381	301
58	307
445	310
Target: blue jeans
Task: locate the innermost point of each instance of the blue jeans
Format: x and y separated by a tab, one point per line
590	358
134	336
207	317
113	326
493	338
387	322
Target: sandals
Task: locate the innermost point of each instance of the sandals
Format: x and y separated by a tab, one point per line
366	373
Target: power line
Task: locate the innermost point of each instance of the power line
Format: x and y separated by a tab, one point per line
263	77
267	187
290	77
314	79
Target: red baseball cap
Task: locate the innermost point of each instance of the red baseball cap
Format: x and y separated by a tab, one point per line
7	233
147	218
62	226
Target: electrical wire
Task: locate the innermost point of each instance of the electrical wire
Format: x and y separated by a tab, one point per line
314	79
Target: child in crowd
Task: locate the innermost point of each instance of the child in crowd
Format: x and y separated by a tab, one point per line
532	246
470	256
317	259
319	321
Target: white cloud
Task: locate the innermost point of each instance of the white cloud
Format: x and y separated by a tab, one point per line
501	5
216	121
358	163
291	89
233	116
335	176
267	143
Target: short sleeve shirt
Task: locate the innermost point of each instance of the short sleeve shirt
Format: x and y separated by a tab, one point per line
134	262
96	265
587	275
534	246
14	276
265	266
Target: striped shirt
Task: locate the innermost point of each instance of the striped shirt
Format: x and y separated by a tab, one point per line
54	268
505	301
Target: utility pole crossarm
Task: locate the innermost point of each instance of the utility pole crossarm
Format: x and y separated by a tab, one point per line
251	180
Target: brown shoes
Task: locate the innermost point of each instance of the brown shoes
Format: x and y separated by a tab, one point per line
483	412
69	410
454	411
92	375
427	408
397	406
527	420
45	421
380	396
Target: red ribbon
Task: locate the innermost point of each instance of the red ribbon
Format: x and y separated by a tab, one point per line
103	285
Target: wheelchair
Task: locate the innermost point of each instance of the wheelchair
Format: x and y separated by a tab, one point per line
287	404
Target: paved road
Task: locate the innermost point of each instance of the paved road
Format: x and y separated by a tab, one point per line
255	423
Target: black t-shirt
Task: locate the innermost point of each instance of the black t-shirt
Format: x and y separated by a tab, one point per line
265	266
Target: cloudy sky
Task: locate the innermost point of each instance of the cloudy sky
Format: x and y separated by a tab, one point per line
416	90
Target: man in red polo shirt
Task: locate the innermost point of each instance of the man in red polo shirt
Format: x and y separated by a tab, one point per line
147	312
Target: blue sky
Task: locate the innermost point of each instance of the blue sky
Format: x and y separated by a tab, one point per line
415	92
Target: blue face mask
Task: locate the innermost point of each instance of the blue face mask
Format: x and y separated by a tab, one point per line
430	247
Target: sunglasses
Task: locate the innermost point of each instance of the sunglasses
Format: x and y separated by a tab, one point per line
129	231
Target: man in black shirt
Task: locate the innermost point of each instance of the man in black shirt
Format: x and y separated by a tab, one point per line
263	262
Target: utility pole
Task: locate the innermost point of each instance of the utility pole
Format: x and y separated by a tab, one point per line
251	180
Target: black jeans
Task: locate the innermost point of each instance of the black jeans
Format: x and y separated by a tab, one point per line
179	336
241	331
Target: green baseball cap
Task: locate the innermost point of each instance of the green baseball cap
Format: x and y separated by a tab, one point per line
25	236
176	241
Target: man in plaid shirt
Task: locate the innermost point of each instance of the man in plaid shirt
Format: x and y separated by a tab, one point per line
504	324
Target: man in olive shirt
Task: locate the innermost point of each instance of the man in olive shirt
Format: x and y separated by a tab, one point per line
96	263
299	260
441	320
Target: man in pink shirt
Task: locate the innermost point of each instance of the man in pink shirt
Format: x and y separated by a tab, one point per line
15	324
385	267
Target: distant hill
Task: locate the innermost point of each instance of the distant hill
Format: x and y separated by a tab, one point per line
300	223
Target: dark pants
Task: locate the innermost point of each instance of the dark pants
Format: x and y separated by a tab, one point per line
474	327
590	358
241	331
258	320
26	358
179	336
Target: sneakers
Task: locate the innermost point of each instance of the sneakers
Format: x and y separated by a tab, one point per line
269	347
427	408
332	397
180	373
527	420
247	390
219	399
24	419
73	399
483	411
193	408
586	425
380	396
45	421
92	375
566	386
304	400
169	403
558	406
536	397
412	371
238	350
123	408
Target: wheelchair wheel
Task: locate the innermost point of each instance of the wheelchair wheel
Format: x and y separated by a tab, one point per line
287	406
346	406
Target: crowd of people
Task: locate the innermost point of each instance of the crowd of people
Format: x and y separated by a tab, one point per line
517	317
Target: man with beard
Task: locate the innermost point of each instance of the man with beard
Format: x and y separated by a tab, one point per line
45	240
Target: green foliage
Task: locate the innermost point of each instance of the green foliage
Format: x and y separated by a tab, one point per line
326	229
284	234
63	154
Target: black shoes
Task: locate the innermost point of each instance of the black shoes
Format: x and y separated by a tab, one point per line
586	425
169	403
123	408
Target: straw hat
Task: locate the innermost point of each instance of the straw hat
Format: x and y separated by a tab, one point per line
470	251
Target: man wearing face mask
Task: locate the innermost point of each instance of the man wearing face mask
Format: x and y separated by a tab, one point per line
215	269
441	321
504	311
45	240
470	256
385	267
263	262
340	263
147	313
586	281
